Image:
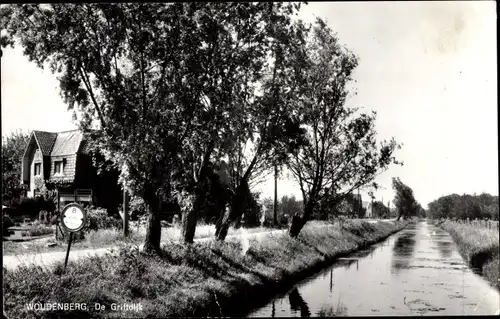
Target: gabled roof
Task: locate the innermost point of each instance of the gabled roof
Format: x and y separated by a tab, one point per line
67	143
57	144
45	141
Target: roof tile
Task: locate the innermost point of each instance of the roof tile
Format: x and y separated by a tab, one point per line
46	141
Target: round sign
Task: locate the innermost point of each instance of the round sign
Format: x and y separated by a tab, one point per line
73	217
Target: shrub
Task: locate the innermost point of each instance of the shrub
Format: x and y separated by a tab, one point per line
253	212
99	219
6	223
38	229
33	206
137	207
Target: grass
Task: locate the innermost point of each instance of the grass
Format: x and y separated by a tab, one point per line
197	280
479	246
38	229
113	237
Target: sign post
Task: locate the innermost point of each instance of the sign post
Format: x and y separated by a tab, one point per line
73	218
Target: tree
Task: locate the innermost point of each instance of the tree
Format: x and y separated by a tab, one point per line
266	124
404	200
115	63
239	37
464	206
13	147
341	152
127	68
380	210
289	206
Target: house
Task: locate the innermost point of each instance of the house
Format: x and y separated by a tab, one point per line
61	161
369	209
368	206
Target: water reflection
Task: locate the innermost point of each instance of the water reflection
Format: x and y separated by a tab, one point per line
297	303
331	280
403	251
331	311
445	248
429	284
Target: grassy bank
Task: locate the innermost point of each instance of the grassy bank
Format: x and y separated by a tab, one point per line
199	280
479	247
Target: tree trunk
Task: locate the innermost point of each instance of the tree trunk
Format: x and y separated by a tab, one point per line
222	227
298	222
153	234
190	219
238	204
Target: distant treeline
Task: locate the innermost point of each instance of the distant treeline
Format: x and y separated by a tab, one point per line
454	206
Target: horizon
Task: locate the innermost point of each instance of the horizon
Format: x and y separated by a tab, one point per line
424	67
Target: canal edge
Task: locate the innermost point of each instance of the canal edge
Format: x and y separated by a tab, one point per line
247	297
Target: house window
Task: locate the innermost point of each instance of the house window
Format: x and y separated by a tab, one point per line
38	169
58	167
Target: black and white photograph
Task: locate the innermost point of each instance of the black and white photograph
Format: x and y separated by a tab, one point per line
249	159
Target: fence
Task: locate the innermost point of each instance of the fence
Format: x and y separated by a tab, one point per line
490	224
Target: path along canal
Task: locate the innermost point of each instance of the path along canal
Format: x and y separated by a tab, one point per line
417	271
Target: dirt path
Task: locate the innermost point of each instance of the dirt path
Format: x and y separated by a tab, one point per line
49	258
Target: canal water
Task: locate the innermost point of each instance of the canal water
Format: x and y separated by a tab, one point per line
417	271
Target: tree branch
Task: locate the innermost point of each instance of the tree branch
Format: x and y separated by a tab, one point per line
86	81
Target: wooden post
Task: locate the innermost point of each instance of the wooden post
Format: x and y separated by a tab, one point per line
69	247
275	213
125	213
359	204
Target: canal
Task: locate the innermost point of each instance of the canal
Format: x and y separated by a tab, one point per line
417	271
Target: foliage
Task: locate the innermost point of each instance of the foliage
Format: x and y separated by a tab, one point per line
218	195
170	93
288	206
13	147
454	206
253	211
267	127
404	200
137	206
380	210
7	222
99	219
350	205
341	153
127	67
32	206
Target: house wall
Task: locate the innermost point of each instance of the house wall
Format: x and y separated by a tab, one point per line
34	157
68	167
106	190
369	211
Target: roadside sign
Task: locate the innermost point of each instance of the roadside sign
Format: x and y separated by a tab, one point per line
73	217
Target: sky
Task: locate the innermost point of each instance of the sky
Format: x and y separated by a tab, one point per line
427	68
